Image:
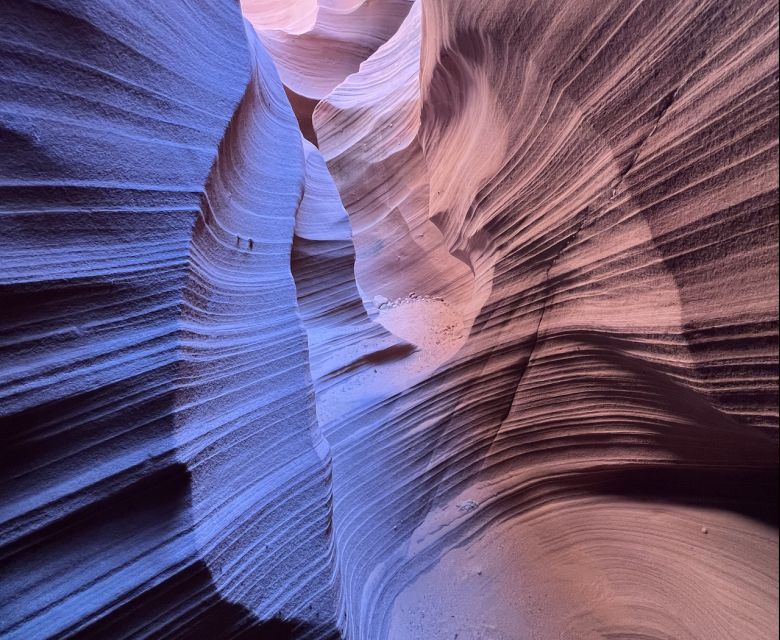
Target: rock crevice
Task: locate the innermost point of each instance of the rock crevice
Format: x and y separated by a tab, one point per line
381	319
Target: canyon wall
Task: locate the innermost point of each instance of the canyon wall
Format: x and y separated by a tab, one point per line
388	319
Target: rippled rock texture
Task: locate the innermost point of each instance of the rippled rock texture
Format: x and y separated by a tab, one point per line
380	319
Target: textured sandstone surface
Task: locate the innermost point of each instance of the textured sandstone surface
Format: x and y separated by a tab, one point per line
381	319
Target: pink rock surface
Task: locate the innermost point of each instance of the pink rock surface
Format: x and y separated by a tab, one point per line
338	34
592	189
379	319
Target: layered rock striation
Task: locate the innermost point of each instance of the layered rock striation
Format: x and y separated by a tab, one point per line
389	319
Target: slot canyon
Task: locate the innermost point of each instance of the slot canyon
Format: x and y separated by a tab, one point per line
389	319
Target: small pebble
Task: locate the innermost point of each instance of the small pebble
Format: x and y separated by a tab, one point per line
468	506
705	530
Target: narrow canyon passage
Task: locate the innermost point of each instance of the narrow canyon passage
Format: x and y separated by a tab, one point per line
389	319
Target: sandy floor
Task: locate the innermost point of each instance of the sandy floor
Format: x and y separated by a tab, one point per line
495	589
435	330
429	323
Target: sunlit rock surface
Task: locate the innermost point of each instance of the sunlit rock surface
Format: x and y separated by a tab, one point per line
338	34
388	319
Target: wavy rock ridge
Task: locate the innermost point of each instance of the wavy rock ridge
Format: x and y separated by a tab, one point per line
496	358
